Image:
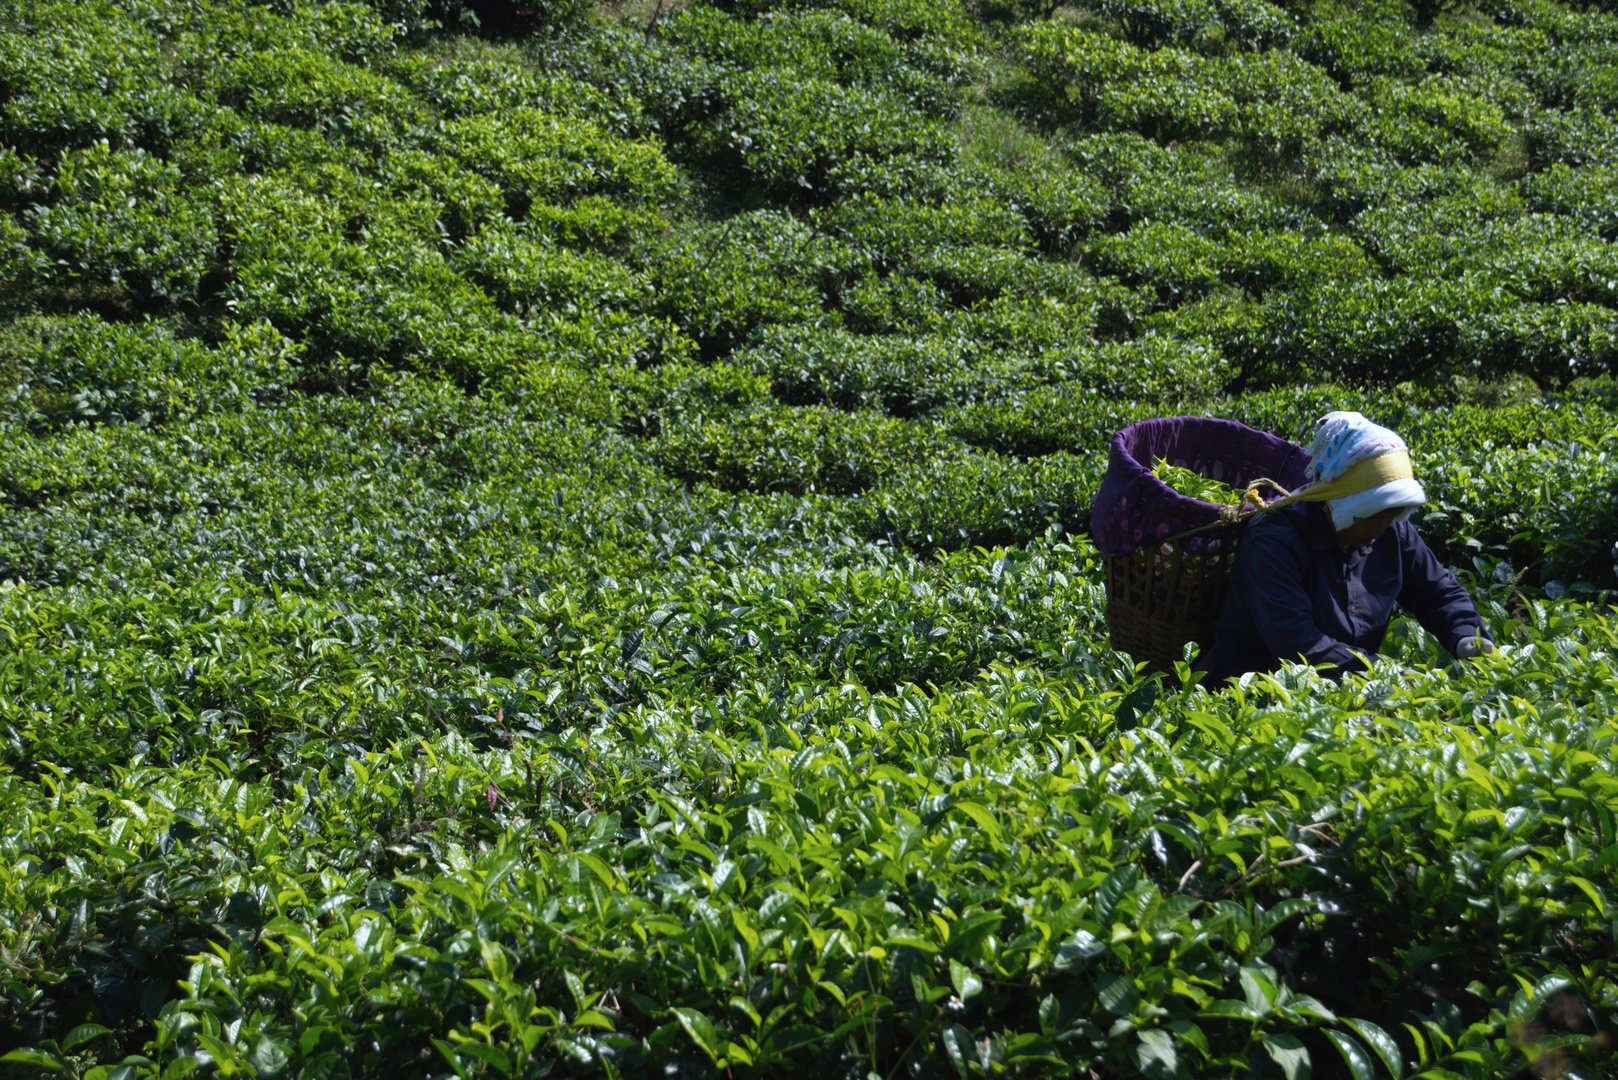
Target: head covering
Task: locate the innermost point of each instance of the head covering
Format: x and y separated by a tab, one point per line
1358	469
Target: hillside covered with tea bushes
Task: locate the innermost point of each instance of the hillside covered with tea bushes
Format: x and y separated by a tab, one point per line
542	538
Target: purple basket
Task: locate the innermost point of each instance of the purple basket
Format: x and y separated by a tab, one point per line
1164	589
1135	509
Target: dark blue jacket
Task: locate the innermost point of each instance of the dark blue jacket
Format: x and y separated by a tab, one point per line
1295	595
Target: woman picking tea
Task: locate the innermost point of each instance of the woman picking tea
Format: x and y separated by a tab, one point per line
1317	575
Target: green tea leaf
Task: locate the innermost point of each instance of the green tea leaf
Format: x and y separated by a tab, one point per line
701	1031
1155	1054
1354	1055
967	983
1289	1054
83	1034
1117	994
1382	1043
34	1058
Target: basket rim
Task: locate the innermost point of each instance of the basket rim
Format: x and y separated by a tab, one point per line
1129	480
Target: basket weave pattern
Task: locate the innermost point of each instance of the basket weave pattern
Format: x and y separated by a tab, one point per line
1160	598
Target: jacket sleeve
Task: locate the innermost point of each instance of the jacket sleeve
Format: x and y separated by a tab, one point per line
1431	593
1272	577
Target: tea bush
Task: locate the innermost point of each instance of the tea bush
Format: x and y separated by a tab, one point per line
1243	24
120	221
1580	194
795	450
89	371
1355	47
543	538
899	376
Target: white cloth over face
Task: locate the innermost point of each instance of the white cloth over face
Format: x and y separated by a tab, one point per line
1343	439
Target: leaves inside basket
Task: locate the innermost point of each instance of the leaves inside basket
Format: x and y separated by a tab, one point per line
1193	486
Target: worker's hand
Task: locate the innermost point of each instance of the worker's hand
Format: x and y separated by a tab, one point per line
1476	645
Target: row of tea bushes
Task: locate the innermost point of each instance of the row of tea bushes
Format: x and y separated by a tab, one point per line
1529	480
1031	872
473	209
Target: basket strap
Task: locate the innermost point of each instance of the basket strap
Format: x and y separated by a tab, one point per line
1230	515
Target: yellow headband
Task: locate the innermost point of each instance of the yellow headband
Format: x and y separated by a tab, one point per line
1361	476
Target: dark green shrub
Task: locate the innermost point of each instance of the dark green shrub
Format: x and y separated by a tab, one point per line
358	33
465	202
896	304
1450	232
1059	207
1547	262
598	223
528	275
1588	195
675	395
896	375
1580	138
1170	258
720	282
786	136
1236	326
1169	96
905	177
1262	261
544	16
21	267
941	38
1069	416
263	148
1206	25
1373	330
1515	61
303	89
1075	64
890	234
911	21
89	372
1155	183
1353	49
459	86
797	450
386	296
979	500
1094	392
1284	105
537	158
1153	366
1367	330
78	73
1166	94
123	223
971	274
20	179
672	89
1551	343
825	45
1439	119
1354	178
1060	317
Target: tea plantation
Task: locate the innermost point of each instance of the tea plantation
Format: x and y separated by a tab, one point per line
544	538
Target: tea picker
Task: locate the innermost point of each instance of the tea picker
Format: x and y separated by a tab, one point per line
1308	569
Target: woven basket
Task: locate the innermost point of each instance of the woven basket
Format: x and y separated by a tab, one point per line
1158	599
1168	557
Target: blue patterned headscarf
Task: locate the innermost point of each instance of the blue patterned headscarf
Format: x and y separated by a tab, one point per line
1343	439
